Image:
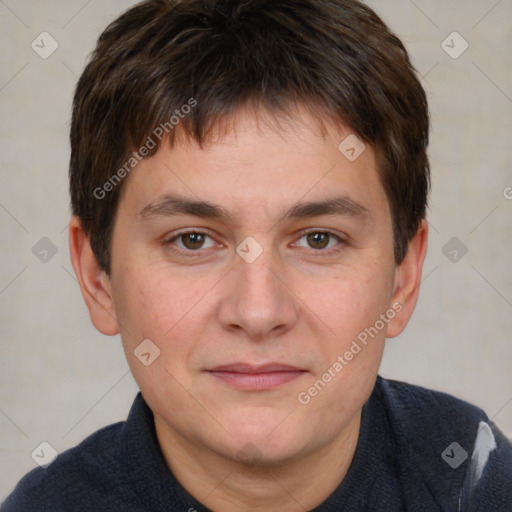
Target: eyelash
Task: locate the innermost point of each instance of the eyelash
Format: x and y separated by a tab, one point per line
302	234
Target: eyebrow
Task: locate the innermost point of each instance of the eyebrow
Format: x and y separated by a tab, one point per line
171	205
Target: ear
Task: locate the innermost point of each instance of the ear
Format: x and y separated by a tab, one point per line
94	283
408	280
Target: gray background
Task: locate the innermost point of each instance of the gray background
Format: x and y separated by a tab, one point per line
60	380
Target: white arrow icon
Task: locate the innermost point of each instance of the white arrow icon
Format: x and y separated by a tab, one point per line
44	45
454	45
44	454
249	250
147	352
352	147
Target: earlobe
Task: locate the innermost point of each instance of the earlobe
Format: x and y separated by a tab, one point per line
408	280
94	283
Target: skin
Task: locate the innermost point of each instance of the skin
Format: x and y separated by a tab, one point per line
299	303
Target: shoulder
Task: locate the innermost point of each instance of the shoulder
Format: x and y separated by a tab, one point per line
74	479
488	485
449	444
425	407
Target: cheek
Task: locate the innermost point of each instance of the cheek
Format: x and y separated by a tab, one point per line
351	355
167	309
351	301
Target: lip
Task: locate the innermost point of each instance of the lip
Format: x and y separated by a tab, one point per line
251	377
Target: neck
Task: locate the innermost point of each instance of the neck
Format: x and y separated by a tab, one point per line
224	484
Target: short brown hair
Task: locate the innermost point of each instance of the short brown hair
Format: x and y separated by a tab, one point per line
335	56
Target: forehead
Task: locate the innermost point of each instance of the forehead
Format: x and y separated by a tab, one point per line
259	161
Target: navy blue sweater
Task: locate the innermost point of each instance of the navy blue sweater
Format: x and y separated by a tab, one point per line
418	451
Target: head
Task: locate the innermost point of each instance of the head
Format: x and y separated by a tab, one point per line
249	185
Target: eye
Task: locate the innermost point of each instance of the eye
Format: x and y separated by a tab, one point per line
191	241
194	241
320	240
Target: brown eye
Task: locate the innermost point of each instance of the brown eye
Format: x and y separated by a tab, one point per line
192	241
321	241
318	240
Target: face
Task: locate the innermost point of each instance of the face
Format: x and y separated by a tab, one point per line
256	266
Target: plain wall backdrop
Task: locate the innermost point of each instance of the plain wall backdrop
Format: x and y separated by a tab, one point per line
60	380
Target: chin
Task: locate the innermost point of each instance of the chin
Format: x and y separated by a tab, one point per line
261	452
269	441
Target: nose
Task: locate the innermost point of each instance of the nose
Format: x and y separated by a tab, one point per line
258	301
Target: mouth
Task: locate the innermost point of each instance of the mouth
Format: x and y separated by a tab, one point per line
256	377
